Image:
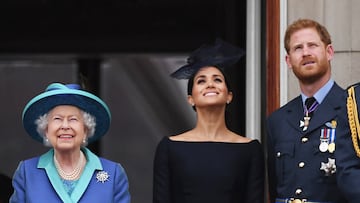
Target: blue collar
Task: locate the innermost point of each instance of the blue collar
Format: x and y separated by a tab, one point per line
93	163
321	93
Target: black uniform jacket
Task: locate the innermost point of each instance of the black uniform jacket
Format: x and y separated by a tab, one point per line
296	166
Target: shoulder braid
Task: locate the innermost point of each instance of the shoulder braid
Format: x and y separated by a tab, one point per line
353	119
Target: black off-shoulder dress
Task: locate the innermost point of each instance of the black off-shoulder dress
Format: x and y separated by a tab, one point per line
208	172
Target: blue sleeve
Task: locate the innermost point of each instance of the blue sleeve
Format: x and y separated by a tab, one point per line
19	185
348	168
347	162
121	186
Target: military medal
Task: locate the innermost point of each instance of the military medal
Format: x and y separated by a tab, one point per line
331	147
305	123
324	140
329	168
324	146
307	111
332	125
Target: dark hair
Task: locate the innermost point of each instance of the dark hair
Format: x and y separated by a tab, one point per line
191	81
306	23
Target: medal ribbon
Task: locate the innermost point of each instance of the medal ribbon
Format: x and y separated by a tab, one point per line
332	135
324	135
310	105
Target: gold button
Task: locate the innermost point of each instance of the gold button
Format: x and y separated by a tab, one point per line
296	201
304	139
298	191
278	154
301	164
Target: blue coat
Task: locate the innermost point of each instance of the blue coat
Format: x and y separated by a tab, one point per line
36	181
348	163
294	157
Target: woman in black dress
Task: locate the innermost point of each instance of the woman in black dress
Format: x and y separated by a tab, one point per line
209	163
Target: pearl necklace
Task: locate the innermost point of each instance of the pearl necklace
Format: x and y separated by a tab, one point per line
73	175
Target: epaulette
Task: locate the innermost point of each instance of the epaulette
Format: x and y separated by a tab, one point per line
353	117
353	85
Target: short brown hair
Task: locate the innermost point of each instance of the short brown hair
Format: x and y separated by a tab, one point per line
306	23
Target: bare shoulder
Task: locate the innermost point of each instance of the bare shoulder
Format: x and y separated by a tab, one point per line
239	138
186	136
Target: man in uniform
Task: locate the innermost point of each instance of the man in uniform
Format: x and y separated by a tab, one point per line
348	155
301	135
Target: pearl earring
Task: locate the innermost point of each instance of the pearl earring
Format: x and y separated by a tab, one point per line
46	142
84	142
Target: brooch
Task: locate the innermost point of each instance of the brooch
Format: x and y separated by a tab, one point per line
102	176
329	167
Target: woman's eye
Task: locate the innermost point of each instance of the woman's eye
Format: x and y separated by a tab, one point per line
200	81
73	119
218	80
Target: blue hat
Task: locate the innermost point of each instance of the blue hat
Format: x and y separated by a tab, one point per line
221	54
59	94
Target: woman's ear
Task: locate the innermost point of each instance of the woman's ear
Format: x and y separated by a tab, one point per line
229	98
191	100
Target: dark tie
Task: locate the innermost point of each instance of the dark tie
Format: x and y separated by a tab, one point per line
310	106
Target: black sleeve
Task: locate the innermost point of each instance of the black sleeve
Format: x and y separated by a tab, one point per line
271	171
161	178
256	177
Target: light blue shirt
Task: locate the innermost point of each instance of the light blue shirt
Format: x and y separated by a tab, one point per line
321	93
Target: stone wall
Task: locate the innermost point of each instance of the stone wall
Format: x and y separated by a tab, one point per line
342	21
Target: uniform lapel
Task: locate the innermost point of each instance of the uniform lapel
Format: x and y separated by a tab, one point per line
295	113
328	109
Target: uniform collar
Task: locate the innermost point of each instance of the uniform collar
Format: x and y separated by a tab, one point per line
321	93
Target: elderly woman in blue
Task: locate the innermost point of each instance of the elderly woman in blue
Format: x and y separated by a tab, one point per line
67	118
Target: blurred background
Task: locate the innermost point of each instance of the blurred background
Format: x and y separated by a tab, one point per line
122	51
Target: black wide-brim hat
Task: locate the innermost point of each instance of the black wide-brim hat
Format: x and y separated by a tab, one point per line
221	54
59	94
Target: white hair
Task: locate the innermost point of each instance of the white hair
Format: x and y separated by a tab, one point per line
89	122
